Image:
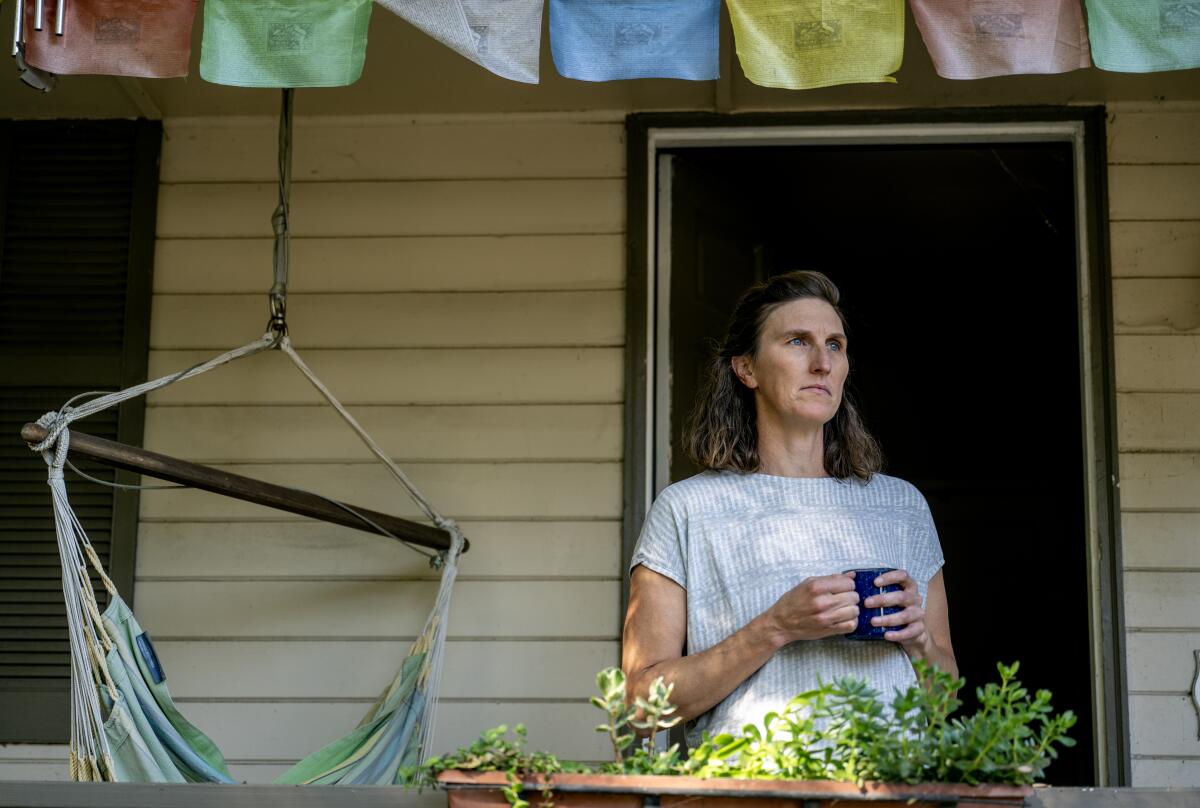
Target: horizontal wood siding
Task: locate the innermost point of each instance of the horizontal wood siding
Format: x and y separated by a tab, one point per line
363	148
1154	190
389	320
470	490
245	729
460	287
402	208
167	550
1152	249
394	264
480	375
413	433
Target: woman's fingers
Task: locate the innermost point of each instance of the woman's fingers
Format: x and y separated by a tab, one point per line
895	577
841	620
904	617
907	595
842	614
911	631
817	607
904	597
829	584
909	622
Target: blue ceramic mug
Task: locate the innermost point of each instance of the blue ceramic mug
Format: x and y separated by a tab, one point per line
864	584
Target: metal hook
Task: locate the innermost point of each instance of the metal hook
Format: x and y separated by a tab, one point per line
277	325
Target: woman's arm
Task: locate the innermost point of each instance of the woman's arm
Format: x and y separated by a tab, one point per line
927	630
656	631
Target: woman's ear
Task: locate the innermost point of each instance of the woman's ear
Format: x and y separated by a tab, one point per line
743	368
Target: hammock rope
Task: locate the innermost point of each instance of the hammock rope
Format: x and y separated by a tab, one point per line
90	641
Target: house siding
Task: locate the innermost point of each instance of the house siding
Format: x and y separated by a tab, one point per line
455	281
1154	188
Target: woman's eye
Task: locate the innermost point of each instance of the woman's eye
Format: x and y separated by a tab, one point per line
796	341
837	346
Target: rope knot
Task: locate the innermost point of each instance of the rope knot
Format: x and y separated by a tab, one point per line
456	541
53	447
279	220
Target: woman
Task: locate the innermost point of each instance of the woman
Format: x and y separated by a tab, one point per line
743	564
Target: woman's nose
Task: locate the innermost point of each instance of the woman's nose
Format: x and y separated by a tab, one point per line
821	363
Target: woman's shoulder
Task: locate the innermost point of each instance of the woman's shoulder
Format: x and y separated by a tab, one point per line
699	486
899	492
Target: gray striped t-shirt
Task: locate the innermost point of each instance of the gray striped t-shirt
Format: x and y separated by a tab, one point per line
737	542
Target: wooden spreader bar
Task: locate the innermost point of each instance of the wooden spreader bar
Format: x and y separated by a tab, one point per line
206	478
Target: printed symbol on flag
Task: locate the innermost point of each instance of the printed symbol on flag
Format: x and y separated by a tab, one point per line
117	30
999	26
289	37
636	34
819	34
479	33
1176	18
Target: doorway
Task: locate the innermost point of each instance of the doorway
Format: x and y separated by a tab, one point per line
959	262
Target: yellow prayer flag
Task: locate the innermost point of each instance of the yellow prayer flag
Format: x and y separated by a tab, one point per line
802	44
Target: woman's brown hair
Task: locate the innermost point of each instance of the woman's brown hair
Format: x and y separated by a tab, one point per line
723	432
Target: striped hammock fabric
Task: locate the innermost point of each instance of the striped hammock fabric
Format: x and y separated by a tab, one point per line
818	43
975	39
609	40
284	43
137	38
1144	36
149	739
503	36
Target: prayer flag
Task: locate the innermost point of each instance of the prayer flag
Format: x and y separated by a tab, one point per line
1144	36
802	44
139	38
504	36
609	40
974	39
284	43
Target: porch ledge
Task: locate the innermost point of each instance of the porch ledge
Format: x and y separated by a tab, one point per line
41	794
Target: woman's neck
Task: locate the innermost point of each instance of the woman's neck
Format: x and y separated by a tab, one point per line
791	452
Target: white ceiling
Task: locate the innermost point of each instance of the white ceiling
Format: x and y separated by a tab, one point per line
408	73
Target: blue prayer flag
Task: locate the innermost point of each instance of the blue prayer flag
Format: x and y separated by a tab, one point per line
609	40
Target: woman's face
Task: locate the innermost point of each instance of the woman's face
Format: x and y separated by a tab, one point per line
801	366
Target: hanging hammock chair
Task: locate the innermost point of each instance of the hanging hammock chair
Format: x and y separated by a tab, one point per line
125	726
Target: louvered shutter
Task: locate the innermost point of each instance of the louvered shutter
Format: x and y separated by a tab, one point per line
76	244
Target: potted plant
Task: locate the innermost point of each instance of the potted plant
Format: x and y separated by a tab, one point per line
837	743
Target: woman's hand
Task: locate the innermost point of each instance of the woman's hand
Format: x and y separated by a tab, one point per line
924	634
911	615
824	606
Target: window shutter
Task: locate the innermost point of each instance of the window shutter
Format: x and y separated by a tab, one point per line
76	243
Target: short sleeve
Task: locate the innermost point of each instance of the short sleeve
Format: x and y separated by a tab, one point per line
925	550
662	545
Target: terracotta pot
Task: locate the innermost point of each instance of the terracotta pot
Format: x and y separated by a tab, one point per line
469	789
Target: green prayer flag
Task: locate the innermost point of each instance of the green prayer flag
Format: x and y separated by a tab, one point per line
1144	36
284	43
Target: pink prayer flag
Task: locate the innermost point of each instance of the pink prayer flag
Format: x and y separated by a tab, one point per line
974	39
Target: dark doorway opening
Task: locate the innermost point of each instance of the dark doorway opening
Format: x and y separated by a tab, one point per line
958	270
